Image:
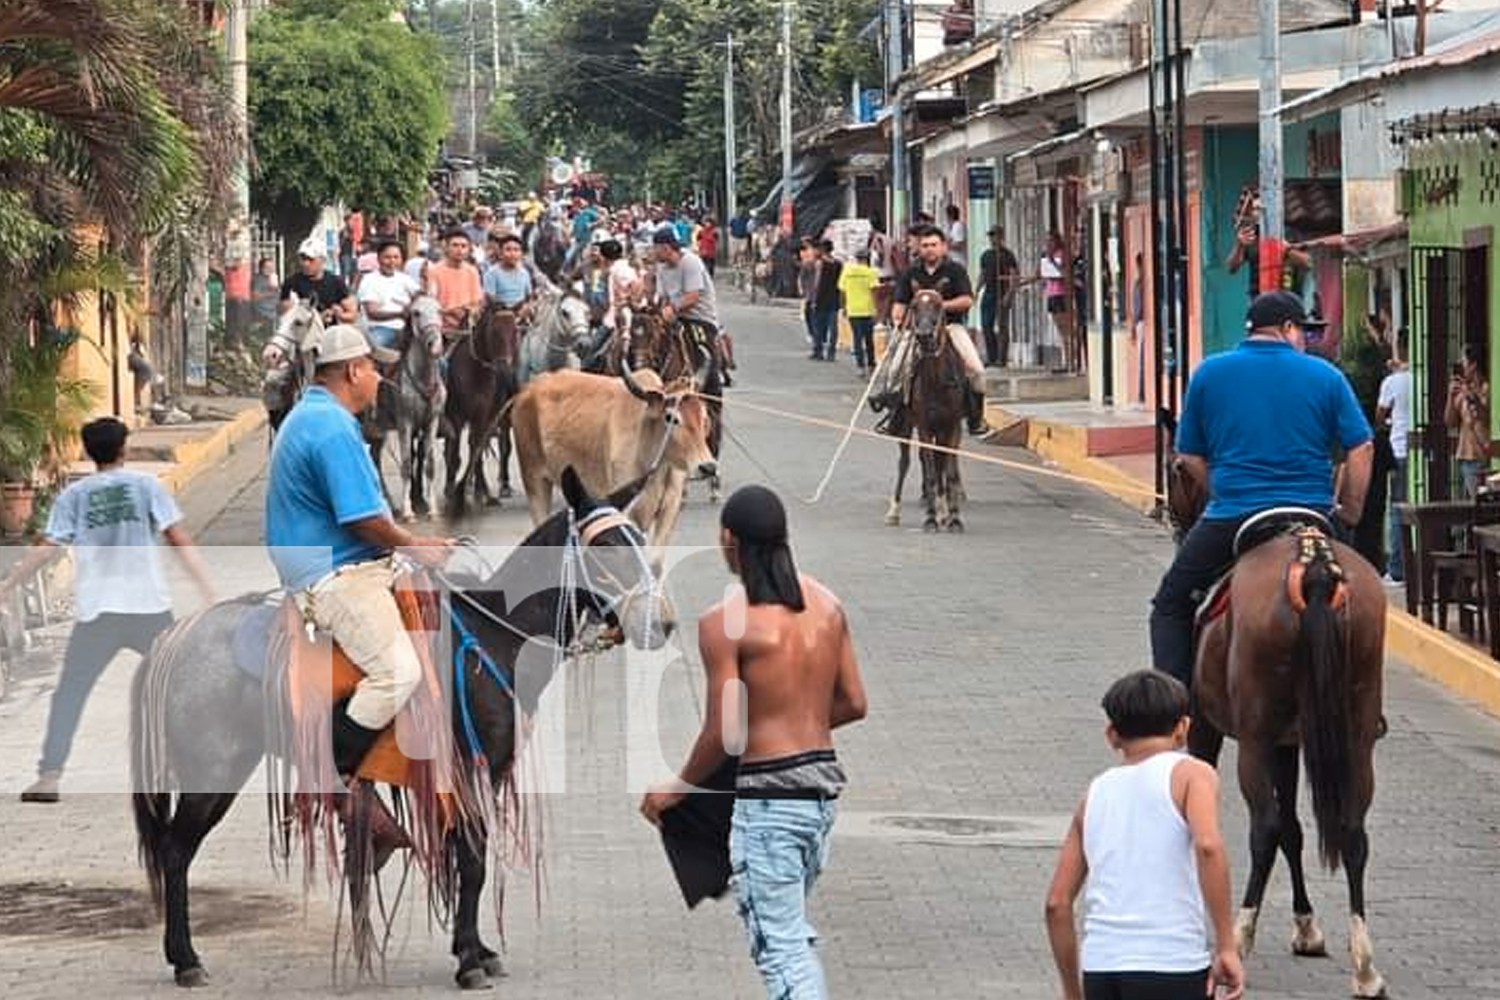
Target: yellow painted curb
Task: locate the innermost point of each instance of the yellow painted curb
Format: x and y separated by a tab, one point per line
1068	448
192	458
1459	667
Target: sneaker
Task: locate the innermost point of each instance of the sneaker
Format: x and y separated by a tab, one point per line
44	789
1391	581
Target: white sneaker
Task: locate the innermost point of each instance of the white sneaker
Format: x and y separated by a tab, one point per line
1391	581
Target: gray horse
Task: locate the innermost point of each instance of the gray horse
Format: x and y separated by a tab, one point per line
199	722
285	374
411	403
559	323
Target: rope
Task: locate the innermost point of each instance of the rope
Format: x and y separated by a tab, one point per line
851	430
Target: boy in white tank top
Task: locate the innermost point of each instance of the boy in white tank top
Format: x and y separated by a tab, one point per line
1146	851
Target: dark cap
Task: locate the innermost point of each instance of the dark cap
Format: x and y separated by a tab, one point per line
754	514
666	236
1271	309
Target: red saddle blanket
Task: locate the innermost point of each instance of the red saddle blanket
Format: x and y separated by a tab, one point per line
1216	602
318	675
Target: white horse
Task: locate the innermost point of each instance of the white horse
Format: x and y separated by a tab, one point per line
411	403
283	361
559	323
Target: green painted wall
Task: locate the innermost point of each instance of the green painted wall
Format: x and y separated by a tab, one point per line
1473	204
1229	163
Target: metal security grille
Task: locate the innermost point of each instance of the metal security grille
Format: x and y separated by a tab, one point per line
1437	311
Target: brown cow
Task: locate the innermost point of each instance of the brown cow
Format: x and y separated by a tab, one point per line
610	430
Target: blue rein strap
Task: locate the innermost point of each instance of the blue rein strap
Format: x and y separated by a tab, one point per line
468	643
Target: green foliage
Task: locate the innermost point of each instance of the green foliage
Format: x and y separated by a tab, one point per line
514	151
42	410
650	72
345	105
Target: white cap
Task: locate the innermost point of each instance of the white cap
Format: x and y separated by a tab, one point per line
312	247
342	342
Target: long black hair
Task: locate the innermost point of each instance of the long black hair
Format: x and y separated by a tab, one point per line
757	520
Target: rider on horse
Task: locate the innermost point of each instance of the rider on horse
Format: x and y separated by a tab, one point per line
936	270
331	538
327	292
1257	431
508	283
386	297
687	292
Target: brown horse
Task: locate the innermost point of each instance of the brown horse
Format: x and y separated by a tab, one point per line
481	378
676	351
1294	663
935	413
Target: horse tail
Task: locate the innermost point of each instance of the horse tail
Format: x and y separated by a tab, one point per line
152	807
1318	591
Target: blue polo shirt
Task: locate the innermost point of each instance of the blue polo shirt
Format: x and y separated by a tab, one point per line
1268	419
322	480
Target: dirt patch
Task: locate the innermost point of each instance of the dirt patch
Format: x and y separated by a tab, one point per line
67	909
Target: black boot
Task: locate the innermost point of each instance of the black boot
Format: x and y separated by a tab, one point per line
361	809
975	400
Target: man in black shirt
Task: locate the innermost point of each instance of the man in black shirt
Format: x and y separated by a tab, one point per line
312	283
935	270
999	274
825	314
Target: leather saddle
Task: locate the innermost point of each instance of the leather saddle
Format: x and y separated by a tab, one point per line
1255	532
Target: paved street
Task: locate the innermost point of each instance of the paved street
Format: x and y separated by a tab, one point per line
985	656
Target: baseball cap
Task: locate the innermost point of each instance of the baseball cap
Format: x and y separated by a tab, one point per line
1272	309
342	342
312	248
666	236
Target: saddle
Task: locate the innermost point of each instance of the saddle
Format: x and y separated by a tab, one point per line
311	674
1309	526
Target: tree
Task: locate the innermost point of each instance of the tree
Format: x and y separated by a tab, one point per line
346	105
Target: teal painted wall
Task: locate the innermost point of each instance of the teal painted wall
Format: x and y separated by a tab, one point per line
1229	163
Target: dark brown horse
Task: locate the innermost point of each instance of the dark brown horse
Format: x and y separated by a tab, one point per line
1294	664
935	413
678	351
481	379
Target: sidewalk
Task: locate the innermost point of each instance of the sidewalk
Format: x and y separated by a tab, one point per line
1115	450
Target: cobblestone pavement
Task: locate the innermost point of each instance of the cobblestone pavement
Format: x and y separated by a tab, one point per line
985	655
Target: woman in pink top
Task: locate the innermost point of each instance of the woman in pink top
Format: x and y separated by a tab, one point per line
1054	269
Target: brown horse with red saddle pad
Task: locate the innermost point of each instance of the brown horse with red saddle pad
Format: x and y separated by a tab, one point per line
1291	650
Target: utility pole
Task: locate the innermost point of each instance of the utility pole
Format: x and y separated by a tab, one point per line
731	201
895	34
473	97
1272	221
238	310
787	219
495	46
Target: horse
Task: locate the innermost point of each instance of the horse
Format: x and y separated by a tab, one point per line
1293	663
204	732
676	351
285	374
410	403
481	378
934	412
559	324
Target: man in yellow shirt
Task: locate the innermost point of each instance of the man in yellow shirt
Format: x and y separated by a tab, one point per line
857	284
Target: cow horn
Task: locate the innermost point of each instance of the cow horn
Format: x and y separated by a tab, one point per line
630	382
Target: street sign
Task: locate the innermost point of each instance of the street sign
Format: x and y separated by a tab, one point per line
849	236
981	183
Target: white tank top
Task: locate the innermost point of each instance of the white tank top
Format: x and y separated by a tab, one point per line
1143	910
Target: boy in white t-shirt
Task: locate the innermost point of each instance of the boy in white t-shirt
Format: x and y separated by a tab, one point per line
121	601
1146	851
386	296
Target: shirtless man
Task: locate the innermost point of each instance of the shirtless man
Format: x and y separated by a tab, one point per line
778	653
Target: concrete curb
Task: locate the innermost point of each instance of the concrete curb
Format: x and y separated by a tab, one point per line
193	458
1462	669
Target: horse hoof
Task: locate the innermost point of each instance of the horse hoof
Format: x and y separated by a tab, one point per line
492	501
893	520
493	967
1370	986
930	526
191	978
1308	941
955	527
473	979
506	492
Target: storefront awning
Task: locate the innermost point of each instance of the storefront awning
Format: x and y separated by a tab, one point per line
1060	147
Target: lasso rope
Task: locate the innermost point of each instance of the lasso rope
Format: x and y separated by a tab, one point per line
851	429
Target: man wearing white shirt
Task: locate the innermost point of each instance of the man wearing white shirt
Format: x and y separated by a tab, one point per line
1395	408
386	296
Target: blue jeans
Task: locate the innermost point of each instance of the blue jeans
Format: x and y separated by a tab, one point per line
385	336
825	332
777	848
1471	473
863	328
1395	566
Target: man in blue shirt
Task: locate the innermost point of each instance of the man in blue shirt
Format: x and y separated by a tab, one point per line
331	538
1258	430
507	283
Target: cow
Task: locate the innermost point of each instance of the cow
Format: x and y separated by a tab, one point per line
611	430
